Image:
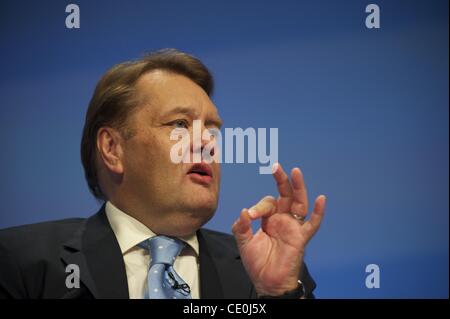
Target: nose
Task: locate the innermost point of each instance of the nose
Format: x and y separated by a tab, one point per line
201	138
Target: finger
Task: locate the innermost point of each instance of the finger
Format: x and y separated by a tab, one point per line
284	188
300	198
313	224
265	207
242	228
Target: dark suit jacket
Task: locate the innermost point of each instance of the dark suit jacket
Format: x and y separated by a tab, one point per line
33	261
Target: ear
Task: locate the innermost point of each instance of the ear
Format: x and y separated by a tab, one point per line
109	146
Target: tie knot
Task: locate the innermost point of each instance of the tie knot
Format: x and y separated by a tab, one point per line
163	249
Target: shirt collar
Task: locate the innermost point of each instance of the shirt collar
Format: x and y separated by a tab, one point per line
130	232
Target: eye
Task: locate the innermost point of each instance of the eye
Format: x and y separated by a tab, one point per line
180	123
213	130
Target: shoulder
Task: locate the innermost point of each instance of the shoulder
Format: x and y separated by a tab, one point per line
50	228
39	227
34	251
35	238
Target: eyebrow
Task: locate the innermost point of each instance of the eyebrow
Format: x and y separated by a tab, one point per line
216	120
181	110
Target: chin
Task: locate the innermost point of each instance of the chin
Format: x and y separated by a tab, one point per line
201	200
200	213
203	212
187	224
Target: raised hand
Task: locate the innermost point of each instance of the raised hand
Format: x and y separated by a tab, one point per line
274	254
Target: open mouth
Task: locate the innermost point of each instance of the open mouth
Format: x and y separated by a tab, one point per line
201	169
200	172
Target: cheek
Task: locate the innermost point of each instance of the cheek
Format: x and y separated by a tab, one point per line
140	152
217	173
154	151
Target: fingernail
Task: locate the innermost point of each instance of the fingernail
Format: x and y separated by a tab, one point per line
275	168
252	212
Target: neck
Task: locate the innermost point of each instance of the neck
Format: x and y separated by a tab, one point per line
160	221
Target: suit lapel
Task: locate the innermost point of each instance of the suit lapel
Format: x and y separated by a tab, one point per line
221	275
210	286
94	248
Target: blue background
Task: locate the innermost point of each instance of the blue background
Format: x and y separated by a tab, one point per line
363	112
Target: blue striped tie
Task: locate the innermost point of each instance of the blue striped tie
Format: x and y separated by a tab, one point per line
162	280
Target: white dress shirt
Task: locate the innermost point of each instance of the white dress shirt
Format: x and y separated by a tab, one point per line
129	233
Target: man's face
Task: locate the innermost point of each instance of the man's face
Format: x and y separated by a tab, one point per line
170	191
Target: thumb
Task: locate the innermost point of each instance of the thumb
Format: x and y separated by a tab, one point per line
242	229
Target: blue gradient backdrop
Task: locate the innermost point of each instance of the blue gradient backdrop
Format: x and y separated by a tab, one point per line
363	112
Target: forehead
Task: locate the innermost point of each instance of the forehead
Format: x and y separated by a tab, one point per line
166	91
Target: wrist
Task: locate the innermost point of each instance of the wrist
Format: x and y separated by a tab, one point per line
290	293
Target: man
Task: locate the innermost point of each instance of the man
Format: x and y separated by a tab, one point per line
146	241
